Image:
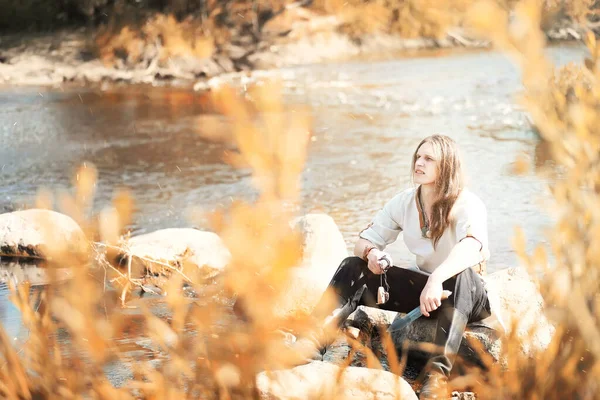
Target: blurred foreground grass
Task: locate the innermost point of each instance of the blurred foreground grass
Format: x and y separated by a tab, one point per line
212	356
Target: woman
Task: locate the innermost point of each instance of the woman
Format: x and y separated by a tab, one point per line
445	226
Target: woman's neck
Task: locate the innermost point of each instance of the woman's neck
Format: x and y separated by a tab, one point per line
427	196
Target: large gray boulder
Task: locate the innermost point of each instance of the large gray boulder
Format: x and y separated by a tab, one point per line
522	308
38	233
323	251
164	251
423	331
517	303
318	380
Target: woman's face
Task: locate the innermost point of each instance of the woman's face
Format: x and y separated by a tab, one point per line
426	165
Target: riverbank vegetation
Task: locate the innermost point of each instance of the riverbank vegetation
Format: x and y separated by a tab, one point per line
133	31
184	41
215	25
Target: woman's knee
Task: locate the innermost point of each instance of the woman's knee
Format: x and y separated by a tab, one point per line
467	280
469	293
349	270
469	275
352	262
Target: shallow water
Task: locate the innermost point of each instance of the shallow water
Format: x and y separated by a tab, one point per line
368	118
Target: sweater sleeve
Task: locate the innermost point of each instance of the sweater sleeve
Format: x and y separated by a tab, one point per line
471	221
387	224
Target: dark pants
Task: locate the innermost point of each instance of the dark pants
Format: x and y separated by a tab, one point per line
356	285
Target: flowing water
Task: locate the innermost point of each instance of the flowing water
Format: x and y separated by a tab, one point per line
368	118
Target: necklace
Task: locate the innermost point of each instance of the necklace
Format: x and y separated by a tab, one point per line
425	232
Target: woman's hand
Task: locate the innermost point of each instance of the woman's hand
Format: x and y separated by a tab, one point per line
373	259
431	296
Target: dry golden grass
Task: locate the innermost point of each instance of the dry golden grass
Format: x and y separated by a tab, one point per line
206	353
159	38
406	18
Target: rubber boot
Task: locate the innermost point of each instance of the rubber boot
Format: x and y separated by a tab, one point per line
451	326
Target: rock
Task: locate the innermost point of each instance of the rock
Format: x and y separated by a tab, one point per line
192	67
316	47
423	331
463	396
284	22
176	247
235	79
522	307
323	380
516	297
323	251
234	51
224	62
368	319
298	35
298	22
40	233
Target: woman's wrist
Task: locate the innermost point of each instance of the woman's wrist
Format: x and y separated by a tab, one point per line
435	279
366	252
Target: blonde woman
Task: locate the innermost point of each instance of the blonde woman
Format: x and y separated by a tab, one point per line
445	226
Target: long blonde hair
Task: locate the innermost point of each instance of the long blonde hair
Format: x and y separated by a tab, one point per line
449	183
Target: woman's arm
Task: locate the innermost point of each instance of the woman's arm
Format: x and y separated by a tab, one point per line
361	245
383	230
463	255
373	256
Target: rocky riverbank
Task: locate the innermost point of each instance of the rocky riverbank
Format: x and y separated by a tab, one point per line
152	257
295	36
